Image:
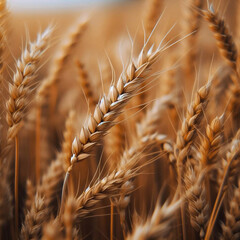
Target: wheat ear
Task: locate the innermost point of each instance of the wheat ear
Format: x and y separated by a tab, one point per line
185	137
159	225
45	203
225	41
197	201
231	170
85	84
34	220
109	186
52	230
19	90
109	107
230	228
60	59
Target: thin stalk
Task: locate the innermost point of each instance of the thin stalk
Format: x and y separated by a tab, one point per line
16	182
38	143
111	224
53	101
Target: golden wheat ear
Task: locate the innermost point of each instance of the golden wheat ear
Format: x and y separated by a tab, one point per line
19	93
224	39
85	84
230	229
186	136
45	202
230	172
198	206
60	60
109	107
20	88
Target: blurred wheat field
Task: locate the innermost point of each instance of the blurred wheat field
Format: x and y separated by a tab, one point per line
120	121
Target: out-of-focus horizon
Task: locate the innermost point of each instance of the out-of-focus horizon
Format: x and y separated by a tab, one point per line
53	5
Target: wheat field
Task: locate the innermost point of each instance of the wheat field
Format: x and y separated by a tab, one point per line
120	121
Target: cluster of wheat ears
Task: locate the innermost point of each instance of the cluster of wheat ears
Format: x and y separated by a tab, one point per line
144	161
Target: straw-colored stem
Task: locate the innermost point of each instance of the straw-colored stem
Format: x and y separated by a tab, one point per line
38	142
111	224
16	181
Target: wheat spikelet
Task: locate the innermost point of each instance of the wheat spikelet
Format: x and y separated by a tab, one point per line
25	73
60	60
225	41
211	143
159	224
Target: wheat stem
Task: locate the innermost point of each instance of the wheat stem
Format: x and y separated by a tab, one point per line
38	143
16	181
